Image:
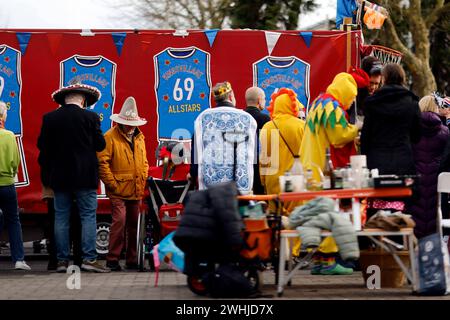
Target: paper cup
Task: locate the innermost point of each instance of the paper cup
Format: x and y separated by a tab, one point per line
358	161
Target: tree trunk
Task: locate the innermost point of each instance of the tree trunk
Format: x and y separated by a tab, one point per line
423	81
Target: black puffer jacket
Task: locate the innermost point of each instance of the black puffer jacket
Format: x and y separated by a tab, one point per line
211	220
391	125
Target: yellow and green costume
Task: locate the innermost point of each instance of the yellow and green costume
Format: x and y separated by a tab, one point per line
326	125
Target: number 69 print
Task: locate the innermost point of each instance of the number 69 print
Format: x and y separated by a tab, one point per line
183	90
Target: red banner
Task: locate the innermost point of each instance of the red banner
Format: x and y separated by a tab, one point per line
56	57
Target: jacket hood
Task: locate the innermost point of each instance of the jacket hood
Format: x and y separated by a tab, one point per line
391	92
344	89
431	123
284	102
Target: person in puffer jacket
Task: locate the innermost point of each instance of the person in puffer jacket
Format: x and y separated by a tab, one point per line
427	156
211	225
318	215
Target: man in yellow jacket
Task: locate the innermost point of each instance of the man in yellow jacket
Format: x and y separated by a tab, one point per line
326	125
284	110
123	168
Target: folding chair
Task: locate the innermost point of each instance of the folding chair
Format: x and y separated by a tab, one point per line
443	187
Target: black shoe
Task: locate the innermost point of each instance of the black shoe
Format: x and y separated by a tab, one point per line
113	265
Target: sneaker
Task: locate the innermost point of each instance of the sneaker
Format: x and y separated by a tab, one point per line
94	266
22	265
62	266
336	269
113	265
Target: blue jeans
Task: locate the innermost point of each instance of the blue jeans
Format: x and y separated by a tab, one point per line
86	200
10	208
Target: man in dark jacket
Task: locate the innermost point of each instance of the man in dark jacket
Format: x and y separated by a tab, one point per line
392	123
69	139
256	102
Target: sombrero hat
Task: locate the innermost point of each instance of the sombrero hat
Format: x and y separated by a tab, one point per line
92	94
129	114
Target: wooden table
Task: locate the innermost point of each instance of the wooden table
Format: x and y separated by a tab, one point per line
355	195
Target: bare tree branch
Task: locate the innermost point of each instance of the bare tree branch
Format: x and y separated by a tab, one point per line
437	12
420	33
397	44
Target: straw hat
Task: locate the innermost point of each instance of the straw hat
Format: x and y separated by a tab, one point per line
92	94
129	114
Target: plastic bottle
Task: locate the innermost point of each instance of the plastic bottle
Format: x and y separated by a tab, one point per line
297	168
347	178
365	178
297	176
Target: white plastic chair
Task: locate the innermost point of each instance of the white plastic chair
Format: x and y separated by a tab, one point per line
442	187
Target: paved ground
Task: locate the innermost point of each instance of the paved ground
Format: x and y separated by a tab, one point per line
41	284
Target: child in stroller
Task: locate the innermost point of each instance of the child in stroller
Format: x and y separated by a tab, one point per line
167	188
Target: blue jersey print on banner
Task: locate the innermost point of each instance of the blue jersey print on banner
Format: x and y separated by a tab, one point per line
10	86
274	73
95	71
183	90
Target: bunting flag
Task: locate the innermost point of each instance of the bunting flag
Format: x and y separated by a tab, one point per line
211	35
345	8
271	40
54	39
307	37
23	38
119	39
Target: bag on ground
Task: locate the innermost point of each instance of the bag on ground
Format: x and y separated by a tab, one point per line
434	266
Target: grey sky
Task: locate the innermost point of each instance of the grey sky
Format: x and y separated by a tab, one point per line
97	14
